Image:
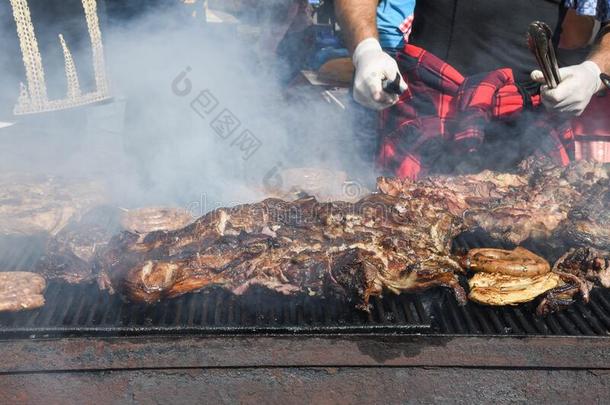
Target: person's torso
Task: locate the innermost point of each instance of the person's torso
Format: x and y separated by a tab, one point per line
394	19
482	35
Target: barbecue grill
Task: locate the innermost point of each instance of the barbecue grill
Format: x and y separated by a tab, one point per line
267	347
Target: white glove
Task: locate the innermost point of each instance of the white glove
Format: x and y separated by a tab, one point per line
578	84
373	65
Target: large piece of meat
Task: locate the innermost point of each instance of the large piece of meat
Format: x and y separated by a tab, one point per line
353	250
541	202
68	256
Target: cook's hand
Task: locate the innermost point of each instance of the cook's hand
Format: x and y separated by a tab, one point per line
373	65
578	84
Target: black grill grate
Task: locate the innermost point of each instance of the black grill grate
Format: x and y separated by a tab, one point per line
77	310
473	319
84	310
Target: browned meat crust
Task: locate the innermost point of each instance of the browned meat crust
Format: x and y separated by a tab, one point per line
558	206
588	222
353	250
68	256
21	291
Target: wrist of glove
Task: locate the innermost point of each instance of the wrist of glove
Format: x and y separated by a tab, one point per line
373	66
578	84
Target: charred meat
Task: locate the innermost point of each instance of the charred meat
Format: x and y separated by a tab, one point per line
588	222
303	247
68	255
580	270
531	204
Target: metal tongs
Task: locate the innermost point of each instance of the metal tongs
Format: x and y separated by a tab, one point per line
539	40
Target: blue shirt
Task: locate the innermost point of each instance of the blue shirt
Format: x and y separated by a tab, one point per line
394	20
599	9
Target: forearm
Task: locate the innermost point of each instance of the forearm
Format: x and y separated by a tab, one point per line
358	20
601	52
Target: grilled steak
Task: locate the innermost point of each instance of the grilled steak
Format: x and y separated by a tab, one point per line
20	291
302	247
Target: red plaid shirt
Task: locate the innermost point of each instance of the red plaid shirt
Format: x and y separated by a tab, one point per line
443	117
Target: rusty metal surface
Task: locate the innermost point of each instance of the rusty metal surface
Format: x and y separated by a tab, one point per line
309	386
303	351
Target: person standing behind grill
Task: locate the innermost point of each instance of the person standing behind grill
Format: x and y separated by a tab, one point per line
392	25
473	37
592	129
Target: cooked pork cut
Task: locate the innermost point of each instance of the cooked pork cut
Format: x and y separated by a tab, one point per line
301	247
21	291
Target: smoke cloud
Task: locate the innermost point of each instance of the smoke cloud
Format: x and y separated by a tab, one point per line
199	115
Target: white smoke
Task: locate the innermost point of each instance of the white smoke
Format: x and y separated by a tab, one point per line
156	143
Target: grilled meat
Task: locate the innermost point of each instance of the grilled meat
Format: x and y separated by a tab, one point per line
537	210
580	270
68	256
460	193
352	250
151	219
502	289
508	277
42	204
519	262
21	291
588	222
531	204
